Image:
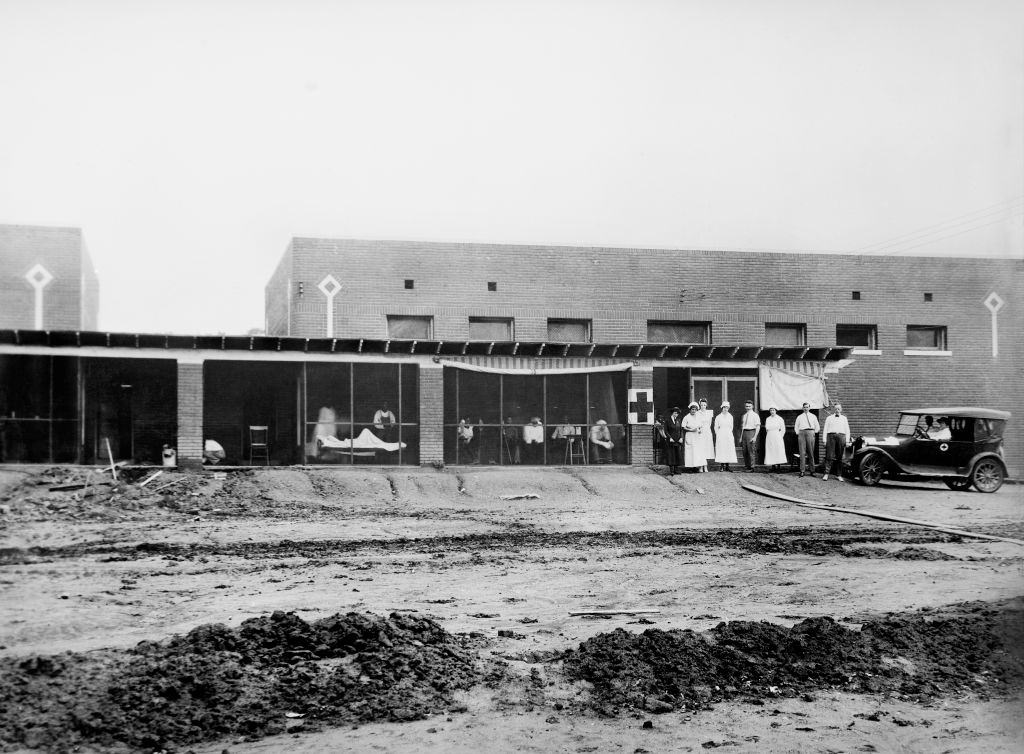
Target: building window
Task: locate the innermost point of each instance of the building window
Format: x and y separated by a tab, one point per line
490	328
928	297
569	330
492	286
679	332
785	334
409	328
863	337
409	284
926	338
855	295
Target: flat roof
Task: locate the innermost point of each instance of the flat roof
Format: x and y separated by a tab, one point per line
531	349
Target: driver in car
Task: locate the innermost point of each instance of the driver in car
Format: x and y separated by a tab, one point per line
940	430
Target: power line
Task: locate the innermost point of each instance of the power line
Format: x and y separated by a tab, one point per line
943	238
969	217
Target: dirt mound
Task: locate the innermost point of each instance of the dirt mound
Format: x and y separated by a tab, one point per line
979	651
268	675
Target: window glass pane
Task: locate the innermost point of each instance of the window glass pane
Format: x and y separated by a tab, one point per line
784	335
924	337
607	402
856	336
409	328
328	410
566	399
490	329
677	332
569	330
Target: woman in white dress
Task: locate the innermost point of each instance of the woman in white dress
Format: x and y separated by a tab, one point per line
774	442
725	443
693	450
707	419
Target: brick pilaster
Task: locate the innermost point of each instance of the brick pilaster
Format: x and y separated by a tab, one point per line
640	434
190	413
431	414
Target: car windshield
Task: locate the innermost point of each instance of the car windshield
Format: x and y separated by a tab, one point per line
908	423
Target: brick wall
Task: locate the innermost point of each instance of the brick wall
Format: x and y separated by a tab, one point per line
278	296
738	292
431	381
190	413
640	435
61	252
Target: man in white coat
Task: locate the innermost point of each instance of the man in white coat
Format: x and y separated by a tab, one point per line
837	434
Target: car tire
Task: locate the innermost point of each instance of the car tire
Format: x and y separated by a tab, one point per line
987	475
959	484
871	469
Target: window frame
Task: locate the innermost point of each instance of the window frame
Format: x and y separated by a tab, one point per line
510	321
872	331
703	324
799	327
941	338
408	317
587	323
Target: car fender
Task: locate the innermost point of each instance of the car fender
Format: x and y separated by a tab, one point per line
984	454
875	449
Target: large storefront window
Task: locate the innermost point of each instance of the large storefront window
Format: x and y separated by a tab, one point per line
39	415
330	413
557	419
131	408
242	397
362	413
65	409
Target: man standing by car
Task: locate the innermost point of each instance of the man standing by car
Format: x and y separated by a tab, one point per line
806	426
837	430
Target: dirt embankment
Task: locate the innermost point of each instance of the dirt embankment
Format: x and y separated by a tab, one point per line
279	673
980	651
268	675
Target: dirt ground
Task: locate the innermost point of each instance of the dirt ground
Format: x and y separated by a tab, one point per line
96	570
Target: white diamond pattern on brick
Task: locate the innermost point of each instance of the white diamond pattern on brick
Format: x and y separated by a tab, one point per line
994	302
39	276
329	286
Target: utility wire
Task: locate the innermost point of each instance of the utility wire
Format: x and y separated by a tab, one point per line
899	251
954	222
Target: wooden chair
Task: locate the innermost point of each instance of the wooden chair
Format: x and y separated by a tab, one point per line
259	444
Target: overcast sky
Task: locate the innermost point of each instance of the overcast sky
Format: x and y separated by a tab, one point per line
191	139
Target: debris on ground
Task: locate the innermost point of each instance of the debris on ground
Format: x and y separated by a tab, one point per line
979	651
253	681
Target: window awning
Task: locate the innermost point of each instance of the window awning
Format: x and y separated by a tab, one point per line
525	367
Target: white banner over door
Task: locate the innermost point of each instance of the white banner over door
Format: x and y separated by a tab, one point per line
788	385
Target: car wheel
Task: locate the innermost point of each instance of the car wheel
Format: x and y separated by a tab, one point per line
987	475
870	469
958	484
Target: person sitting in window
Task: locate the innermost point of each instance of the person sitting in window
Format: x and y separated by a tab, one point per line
464	432
512	441
384	422
533	439
564	431
601	440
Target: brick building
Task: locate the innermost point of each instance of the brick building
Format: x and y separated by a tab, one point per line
917	330
376	351
47	281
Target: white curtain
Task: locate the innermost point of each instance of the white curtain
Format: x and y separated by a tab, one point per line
789	384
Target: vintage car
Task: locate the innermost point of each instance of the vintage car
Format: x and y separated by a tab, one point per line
962	445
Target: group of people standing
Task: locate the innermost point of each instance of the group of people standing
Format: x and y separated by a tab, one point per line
694	439
699	437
